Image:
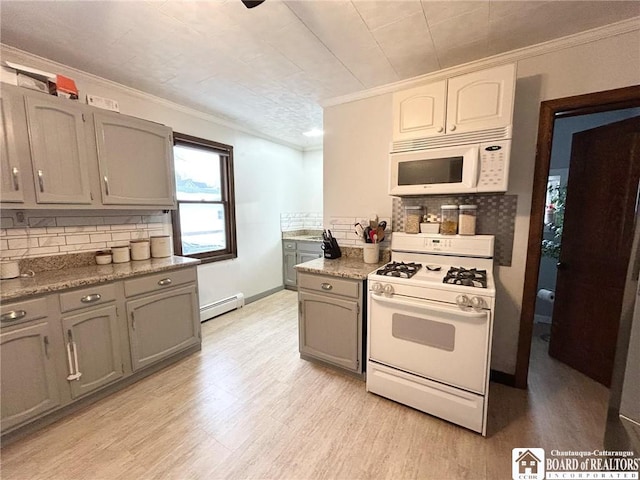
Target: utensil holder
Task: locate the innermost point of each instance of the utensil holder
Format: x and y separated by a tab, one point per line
371	252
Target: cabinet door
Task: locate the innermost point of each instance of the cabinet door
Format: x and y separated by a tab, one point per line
329	329
307	256
58	150
135	158
162	324
95	336
290	272
419	112
481	100
11	188
28	375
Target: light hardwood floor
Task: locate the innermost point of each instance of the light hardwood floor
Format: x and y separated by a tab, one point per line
248	407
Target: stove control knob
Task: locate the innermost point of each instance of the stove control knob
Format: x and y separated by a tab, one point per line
388	290
478	303
463	301
376	287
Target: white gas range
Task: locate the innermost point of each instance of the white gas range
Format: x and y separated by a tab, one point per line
430	326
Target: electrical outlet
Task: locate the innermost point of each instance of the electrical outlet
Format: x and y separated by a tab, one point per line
21	218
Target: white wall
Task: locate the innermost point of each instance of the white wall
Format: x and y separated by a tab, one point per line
357	136
313	185
269	178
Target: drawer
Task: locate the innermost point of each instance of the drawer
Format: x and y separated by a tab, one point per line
87	297
289	245
331	285
159	281
21	312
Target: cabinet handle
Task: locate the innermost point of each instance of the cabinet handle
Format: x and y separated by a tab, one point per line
72	358
452	128
41	180
13	316
164	282
440	130
106	184
14	173
46	346
94	297
326	286
133	321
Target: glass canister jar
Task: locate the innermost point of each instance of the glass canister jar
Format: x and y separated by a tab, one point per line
449	224
467	219
412	218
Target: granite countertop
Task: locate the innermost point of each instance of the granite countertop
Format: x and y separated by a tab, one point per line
346	267
306	236
66	278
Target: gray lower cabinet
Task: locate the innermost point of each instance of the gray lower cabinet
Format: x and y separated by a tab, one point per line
295	252
93	337
57	349
330	320
28	377
162	324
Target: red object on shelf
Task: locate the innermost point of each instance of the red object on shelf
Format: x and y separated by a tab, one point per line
66	86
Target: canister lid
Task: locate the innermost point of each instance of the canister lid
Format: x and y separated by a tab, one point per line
468	207
449	207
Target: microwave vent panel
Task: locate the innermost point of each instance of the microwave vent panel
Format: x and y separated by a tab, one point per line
452	140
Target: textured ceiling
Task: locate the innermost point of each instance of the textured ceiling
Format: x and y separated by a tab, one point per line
268	68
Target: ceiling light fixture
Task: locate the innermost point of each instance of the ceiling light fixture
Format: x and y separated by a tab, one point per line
314	132
251	4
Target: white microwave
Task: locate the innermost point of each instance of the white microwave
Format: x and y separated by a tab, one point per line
473	168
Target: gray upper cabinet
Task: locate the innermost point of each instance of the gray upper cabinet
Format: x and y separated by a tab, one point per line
93	337
58	150
28	377
11	187
135	159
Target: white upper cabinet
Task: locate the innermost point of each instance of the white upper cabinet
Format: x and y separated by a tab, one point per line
135	158
481	100
419	112
473	102
58	150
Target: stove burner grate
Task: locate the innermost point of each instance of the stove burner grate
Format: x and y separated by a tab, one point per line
400	269
468	277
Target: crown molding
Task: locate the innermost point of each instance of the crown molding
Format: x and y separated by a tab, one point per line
588	36
209	117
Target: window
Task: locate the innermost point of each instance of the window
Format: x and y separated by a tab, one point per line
204	224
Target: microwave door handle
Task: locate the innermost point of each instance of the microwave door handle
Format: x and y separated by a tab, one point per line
475	174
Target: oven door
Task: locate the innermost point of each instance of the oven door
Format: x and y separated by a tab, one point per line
434	340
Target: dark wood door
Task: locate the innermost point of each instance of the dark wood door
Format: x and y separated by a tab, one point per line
596	244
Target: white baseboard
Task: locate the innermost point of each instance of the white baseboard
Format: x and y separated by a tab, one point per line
221	306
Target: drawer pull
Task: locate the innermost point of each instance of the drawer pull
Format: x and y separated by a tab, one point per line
13	315
326	286
16	184
41	180
164	282
94	297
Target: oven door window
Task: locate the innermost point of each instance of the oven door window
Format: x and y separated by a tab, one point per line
431	171
423	331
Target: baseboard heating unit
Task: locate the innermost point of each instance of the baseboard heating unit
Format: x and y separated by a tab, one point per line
225	305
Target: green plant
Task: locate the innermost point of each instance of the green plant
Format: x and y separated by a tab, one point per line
551	248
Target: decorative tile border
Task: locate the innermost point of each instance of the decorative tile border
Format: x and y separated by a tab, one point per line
496	216
55	235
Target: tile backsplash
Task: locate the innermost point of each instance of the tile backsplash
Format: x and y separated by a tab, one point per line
300	221
54	235
343	230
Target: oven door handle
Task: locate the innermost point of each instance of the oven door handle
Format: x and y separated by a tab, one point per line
408	303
